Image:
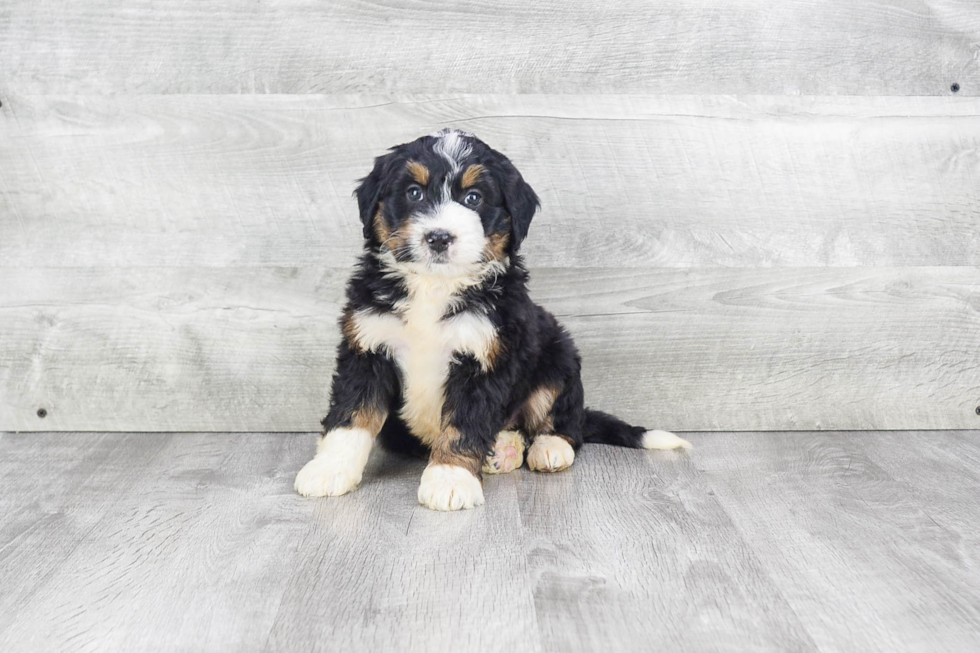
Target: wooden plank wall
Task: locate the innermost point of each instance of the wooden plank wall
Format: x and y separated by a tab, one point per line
756	215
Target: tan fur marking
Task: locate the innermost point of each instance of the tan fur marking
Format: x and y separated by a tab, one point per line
349	329
419	172
370	420
472	464
496	248
472	175
494	347
399	237
537	410
381	229
393	240
443	452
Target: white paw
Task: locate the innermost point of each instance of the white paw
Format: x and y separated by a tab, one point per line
664	440
550	453
507	454
447	487
326	477
338	465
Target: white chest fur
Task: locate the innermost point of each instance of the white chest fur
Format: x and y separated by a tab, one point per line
423	345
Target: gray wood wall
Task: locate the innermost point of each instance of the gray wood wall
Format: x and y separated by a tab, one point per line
756	215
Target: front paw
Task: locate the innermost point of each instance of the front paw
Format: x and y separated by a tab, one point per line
326	477
338	465
447	487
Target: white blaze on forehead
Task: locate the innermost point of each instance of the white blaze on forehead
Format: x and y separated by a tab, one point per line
452	146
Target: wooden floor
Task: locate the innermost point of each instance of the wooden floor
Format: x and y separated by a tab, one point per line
755	541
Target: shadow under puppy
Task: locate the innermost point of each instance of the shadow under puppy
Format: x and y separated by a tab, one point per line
443	350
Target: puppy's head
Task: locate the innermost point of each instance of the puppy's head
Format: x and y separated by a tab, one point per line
445	203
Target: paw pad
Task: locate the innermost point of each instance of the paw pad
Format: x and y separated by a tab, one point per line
507	454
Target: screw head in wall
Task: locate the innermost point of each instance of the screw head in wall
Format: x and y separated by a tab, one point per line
955	88
42	413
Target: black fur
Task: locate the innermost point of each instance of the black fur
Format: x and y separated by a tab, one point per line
534	350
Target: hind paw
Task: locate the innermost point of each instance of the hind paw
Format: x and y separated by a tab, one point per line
507	454
550	453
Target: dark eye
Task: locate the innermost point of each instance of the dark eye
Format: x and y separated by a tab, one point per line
473	198
414	194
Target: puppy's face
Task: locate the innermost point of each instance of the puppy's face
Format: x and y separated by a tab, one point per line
445	204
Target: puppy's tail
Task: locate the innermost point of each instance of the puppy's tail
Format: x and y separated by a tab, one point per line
603	428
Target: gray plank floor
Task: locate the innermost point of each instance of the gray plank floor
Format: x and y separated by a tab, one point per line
830	541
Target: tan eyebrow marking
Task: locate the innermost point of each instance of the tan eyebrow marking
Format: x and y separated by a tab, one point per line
471	175
419	172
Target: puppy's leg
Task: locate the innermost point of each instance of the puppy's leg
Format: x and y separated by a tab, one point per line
507	453
453	479
363	388
555	413
472	415
451	483
336	469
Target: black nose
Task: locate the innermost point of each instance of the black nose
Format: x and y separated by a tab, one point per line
439	240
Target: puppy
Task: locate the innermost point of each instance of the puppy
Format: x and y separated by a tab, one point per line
443	351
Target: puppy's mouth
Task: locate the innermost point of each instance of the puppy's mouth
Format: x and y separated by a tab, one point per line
440	263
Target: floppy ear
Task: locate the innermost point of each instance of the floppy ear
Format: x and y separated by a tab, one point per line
519	198
372	188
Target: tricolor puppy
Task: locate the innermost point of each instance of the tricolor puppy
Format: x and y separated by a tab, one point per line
443	351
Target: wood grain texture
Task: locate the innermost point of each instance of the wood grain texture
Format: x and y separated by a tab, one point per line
182	349
944	473
184	539
213	551
55	492
630	551
856	552
380	572
186	543
914	47
848	542
630	181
